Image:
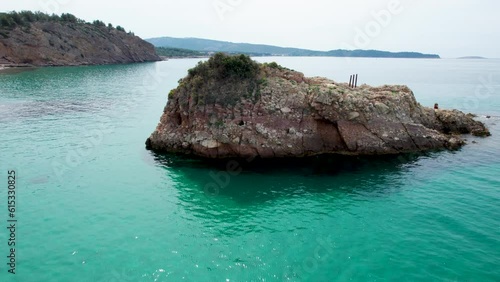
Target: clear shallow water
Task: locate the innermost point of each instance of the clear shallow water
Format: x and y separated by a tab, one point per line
94	205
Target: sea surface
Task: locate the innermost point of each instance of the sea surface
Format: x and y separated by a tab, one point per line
93	205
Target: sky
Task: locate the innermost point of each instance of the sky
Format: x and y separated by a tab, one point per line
450	28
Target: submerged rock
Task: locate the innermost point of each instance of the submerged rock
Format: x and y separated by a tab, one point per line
232	106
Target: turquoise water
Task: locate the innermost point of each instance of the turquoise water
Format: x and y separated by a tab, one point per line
94	205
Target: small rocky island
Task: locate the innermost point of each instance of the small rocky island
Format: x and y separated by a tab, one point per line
233	107
37	39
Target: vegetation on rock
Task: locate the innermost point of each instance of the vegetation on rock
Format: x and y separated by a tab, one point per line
220	80
222	66
274	65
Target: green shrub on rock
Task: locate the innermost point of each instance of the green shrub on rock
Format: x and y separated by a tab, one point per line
222	66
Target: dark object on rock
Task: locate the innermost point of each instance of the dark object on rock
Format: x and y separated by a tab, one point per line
231	106
436	106
353	81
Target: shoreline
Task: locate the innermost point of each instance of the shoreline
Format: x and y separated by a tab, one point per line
4	67
9	68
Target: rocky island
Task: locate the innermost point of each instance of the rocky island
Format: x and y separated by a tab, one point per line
37	39
233	107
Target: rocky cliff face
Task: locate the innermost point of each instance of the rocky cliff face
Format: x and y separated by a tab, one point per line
63	43
232	107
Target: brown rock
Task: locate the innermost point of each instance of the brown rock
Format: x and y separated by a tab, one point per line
269	111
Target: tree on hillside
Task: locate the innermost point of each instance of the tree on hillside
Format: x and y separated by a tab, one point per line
6	21
99	23
24	18
69	18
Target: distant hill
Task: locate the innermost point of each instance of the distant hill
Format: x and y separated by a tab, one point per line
179	53
472	58
206	45
38	39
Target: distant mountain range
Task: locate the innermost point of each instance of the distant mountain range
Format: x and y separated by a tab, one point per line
207	46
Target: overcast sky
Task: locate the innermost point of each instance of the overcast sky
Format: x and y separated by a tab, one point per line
450	28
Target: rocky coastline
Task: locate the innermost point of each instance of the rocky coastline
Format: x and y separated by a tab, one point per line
233	107
69	42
